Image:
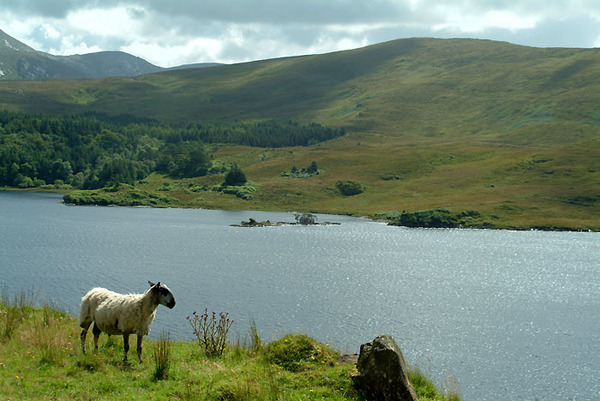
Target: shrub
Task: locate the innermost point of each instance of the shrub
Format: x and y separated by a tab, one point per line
235	176
350	188
306	218
439	218
296	352
210	332
310	171
241	191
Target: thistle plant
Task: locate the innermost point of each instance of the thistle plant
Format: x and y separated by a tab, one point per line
211	331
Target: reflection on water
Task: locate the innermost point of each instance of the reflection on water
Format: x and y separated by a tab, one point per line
509	315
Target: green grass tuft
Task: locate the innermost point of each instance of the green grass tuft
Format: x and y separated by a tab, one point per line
297	352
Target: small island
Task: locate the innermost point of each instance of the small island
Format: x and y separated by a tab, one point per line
305	219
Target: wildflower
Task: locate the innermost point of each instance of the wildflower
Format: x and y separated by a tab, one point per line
16	377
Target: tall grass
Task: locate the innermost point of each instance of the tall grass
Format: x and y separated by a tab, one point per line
162	356
255	342
427	390
12	311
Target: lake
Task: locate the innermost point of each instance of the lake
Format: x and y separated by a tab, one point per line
508	315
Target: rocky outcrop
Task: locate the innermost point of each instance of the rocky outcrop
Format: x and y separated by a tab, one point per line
382	372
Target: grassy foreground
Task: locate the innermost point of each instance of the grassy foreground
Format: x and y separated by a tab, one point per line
40	359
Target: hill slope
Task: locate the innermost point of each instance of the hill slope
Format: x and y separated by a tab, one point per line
507	130
418	87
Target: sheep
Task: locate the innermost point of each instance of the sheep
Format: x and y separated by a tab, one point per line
114	313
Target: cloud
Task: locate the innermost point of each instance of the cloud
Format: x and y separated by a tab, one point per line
282	12
104	22
41	8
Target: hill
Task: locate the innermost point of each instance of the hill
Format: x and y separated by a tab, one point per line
507	130
20	62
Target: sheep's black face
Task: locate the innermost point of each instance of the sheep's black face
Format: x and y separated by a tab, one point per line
166	297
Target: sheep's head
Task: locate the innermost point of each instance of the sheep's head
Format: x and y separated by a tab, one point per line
165	296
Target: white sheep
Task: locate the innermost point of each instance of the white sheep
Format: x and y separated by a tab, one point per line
114	313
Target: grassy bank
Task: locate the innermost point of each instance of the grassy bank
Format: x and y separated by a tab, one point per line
40	359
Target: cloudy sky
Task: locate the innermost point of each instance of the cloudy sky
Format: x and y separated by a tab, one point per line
174	32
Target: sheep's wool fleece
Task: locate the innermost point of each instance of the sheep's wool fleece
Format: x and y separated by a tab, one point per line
124	314
91	301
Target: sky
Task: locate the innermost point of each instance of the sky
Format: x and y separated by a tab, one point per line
175	32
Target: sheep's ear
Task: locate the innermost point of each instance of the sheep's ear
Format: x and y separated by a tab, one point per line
151	283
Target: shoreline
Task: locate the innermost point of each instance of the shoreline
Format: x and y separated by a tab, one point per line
146	199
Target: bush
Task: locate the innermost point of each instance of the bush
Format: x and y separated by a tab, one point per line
310	171
296	352
241	191
306	218
211	332
350	188
438	218
235	176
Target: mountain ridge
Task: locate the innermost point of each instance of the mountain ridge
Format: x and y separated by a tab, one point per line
21	62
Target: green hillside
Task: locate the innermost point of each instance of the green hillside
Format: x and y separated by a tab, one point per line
509	131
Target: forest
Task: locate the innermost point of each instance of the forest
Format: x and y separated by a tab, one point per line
94	150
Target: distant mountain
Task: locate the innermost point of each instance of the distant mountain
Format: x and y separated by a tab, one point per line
20	62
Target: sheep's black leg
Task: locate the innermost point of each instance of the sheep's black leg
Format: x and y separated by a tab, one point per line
139	347
82	336
125	345
85	326
96	332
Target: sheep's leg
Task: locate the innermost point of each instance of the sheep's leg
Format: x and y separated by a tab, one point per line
85	326
139	347
82	336
96	332
125	345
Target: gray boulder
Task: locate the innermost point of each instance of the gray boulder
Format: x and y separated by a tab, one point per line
382	372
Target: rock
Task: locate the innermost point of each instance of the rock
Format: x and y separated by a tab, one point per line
382	372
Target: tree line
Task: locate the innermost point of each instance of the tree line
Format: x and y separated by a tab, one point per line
94	150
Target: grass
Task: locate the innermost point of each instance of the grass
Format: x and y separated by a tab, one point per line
518	188
40	359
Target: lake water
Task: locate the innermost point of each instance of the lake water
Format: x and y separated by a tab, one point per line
507	315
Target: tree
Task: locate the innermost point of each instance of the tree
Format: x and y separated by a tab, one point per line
306	218
313	168
235	176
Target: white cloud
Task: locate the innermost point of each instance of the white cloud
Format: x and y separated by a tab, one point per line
70	46
171	55
457	20
50	32
105	22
